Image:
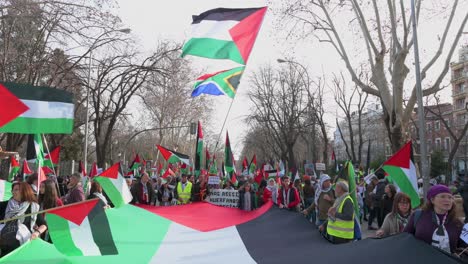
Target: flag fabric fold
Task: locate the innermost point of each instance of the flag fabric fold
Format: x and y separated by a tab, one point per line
198	150
115	185
14	168
52	159
219	83
172	156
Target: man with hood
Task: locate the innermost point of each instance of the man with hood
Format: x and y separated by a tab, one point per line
324	199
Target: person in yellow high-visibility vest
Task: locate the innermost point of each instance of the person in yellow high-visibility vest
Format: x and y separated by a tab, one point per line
340	224
183	192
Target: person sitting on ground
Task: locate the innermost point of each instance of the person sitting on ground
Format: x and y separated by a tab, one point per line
75	190
96	192
18	232
437	223
339	227
142	191
48	197
395	222
288	196
246	198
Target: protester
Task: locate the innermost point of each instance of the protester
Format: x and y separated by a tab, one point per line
271	192
183	192
142	191
246	198
298	185
463	191
200	189
96	192
228	185
17	232
395	222
32	181
340	224
75	191
309	192
437	223
165	194
259	194
387	200
48	197
324	199
288	196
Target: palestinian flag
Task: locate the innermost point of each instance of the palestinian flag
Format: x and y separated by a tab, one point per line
81	229
115	186
94	170
245	164
5	190
228	157
82	169
14	168
172	156
48	170
225	33
168	173
271	174
28	109
349	176
403	172
219	83
136	163
207	158
52	159
198	150
253	165
25	170
41	175
214	234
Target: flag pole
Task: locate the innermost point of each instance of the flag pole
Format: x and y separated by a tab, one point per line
224	123
45	211
53	169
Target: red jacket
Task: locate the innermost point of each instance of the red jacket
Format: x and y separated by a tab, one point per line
294	199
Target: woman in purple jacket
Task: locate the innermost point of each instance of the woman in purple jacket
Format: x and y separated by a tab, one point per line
437	223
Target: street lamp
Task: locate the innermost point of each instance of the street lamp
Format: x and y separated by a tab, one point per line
123	30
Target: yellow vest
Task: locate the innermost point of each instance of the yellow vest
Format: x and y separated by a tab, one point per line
341	228
185	194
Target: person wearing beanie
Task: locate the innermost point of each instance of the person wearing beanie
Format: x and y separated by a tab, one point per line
437	223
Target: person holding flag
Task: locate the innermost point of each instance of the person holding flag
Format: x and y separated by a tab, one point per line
142	191
75	191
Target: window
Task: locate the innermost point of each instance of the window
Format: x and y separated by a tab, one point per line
429	126
460	104
447	121
437	143
461	88
429	144
447	144
437	125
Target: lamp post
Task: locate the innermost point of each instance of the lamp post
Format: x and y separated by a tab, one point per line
123	30
304	70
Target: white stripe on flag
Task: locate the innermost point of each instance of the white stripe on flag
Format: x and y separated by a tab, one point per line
211	247
83	238
412	176
121	184
42	109
213	29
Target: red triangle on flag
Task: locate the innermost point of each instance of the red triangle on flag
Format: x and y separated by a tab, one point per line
112	172
168	173
40	176
75	213
12	106
47	170
26	169
245	32
14	162
54	155
94	170
401	158
164	152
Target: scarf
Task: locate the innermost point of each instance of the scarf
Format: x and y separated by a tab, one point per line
100	196
15	209
402	221
274	193
440	237
320	189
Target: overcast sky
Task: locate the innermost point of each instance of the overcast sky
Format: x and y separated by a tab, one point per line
153	20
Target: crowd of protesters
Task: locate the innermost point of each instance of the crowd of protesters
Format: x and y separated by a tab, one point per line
327	203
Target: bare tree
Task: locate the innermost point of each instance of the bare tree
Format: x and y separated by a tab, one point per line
318	101
384	28
280	105
345	103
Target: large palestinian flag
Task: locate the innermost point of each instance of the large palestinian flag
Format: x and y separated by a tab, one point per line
28	109
225	33
219	83
115	185
81	229
400	167
172	156
216	235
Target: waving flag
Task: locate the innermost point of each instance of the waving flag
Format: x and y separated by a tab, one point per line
5	190
207	159
225	33
14	168
52	159
94	170
228	157
253	165
82	169
81	229
172	156
115	186
136	163
198	150
28	109
403	172
25	170
219	83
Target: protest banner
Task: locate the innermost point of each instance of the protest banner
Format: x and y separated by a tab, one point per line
226	198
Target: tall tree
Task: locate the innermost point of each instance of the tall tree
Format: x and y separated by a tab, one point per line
384	29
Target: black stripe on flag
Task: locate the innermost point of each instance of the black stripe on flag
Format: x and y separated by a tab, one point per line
101	231
225	14
31	149
38	93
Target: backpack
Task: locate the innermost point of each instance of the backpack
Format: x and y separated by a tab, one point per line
417	215
8	233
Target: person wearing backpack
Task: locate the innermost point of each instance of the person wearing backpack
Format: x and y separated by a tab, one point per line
16	232
437	223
